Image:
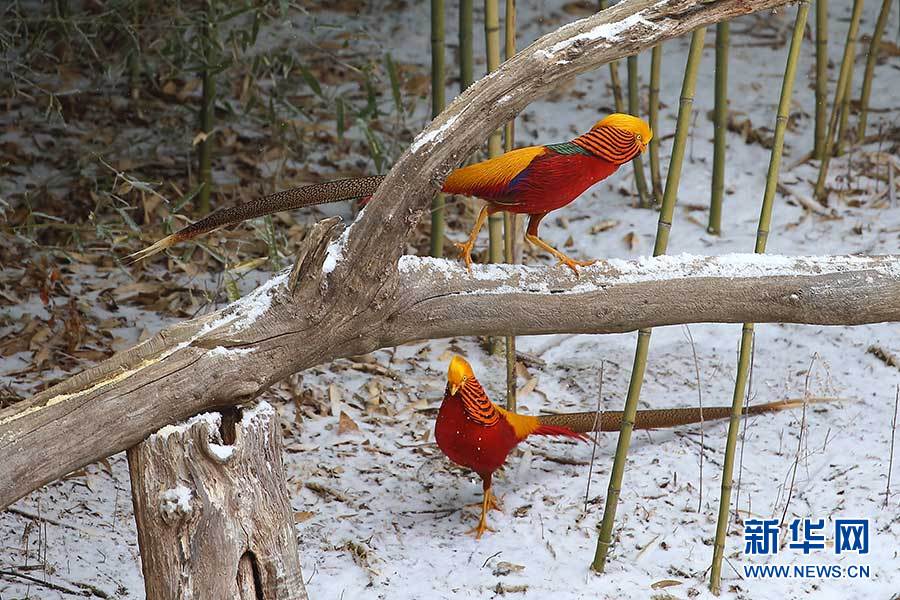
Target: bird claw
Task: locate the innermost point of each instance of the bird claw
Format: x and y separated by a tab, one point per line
465	249
479	529
574	264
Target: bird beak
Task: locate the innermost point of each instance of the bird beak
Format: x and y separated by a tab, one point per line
453	389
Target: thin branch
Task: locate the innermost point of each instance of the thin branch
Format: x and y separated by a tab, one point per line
887	487
787	502
597	417
700	401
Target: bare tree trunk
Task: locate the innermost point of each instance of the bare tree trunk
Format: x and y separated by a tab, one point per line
213	517
353	294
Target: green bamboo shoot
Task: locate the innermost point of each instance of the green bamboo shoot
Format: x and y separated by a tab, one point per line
438	100
666	213
762	236
510	220
466	73
721	129
614	81
821	78
841	88
655	176
634	108
871	59
495	142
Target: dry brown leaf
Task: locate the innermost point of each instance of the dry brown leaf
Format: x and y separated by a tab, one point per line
346	424
664	583
604	225
631	240
529	386
303	515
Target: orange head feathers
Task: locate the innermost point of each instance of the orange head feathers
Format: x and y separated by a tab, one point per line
459	372
617	138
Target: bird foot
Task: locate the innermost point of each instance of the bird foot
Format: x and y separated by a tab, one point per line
479	529
465	249
574	264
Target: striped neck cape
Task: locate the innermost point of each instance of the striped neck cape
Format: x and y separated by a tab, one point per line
615	145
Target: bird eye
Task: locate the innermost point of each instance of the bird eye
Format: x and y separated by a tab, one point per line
638	137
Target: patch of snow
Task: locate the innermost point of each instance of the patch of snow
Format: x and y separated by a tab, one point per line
605	31
432	137
522	278
335	252
229	352
221	451
212	419
255	416
176	500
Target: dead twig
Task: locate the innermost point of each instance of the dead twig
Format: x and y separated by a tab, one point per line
885	356
597	417
85	590
700	400
887	487
327	492
787	502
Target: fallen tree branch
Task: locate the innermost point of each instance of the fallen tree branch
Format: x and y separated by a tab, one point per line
238	352
347	296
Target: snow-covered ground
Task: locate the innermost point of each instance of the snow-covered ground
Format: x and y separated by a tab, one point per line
401	533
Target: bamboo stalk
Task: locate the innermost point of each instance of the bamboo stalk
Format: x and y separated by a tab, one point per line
821	78
438	101
466	74
721	128
634	108
510	220
871	60
655	177
762	236
495	143
845	107
207	110
666	212
840	90
614	81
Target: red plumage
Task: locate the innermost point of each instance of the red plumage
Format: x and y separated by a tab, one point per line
475	433
481	448
552	181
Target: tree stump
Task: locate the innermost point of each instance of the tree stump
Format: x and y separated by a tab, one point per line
212	510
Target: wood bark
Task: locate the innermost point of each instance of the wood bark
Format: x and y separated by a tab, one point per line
214	519
350	295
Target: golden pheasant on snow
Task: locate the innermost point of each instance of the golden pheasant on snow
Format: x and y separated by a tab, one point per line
474	432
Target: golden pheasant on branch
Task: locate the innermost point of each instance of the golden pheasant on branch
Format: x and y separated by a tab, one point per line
533	181
476	433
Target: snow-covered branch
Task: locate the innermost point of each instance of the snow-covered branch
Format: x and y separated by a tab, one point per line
237	353
617	296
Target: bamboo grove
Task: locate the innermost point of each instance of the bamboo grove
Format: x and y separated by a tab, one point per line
832	134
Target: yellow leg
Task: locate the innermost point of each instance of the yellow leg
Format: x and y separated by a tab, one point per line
494	504
563	259
466	248
487	503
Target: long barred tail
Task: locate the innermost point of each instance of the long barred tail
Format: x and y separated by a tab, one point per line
584	422
292	199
